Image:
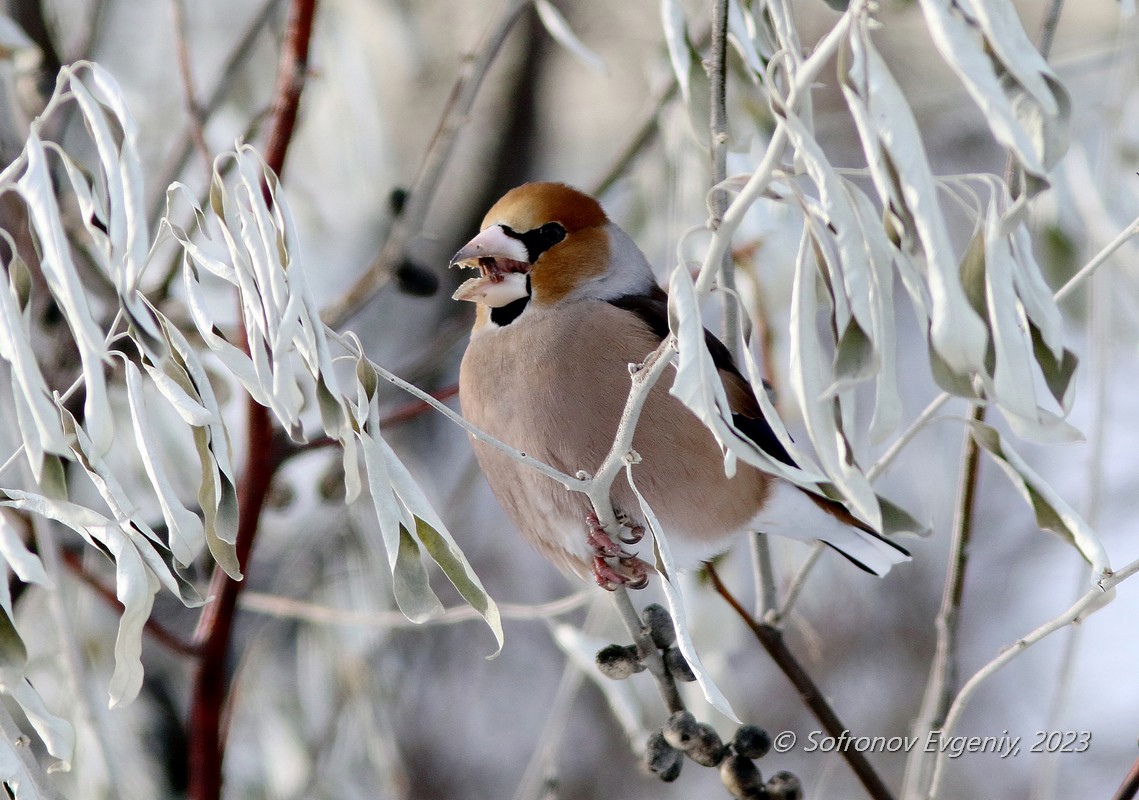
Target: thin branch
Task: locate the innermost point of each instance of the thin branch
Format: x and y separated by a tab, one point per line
162	634
193	107
944	669
653	660
718	198
643	135
1098	260
771	638
758	182
215	627
797	584
574	484
409	223
289	608
1130	786
1092	600
181	153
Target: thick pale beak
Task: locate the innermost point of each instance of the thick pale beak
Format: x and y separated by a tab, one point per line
503	262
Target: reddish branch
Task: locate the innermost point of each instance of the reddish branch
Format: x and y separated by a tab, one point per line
212	679
772	640
74	562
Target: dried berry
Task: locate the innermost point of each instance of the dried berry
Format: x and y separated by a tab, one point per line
661	758
741	778
678	666
751	741
784	786
619	661
660	626
708	749
682	730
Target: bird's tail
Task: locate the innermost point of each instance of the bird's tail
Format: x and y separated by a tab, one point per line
799	514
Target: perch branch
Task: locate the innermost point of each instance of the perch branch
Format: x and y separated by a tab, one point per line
771	638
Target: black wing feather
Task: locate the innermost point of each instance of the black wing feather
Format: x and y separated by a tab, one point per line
652	309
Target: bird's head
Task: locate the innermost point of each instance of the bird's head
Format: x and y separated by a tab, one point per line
544	243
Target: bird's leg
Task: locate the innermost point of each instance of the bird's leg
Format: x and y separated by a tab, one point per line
629	571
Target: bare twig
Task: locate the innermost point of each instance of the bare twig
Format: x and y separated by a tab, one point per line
643	135
193	107
666	684
1088	604
422	191
156	629
942	679
289	608
1130	786
211	682
771	638
185	146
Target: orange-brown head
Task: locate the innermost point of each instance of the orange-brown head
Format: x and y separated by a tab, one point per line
543	243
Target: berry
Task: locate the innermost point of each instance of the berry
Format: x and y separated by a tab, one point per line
784	786
619	661
678	666
681	730
751	741
661	759
708	750
659	623
741	778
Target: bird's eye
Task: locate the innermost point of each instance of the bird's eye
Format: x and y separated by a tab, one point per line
552	233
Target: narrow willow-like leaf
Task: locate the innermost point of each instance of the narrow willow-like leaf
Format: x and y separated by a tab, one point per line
443	551
808	380
56	733
1052	512
66	287
410	583
1028	114
559	28
676	38
902	176
697	384
186	534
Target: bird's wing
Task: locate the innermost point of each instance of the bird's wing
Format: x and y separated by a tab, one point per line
652	309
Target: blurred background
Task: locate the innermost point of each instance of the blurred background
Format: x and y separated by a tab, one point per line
335	696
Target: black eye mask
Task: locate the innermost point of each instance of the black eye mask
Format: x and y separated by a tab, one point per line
538	240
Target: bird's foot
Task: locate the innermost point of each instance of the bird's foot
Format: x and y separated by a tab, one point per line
630	572
635	532
614	566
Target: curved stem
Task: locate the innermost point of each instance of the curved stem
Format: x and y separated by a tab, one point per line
771	638
1092	600
215	627
422	191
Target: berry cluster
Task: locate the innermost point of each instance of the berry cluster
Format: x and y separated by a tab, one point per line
682	735
619	661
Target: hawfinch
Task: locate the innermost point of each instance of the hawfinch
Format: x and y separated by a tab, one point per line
565	302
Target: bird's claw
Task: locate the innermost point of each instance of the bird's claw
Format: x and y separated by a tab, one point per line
630	572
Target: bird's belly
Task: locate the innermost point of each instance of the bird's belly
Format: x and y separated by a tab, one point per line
557	392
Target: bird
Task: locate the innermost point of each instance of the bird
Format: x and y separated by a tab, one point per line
565	302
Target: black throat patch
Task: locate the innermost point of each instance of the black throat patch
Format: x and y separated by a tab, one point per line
504	315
